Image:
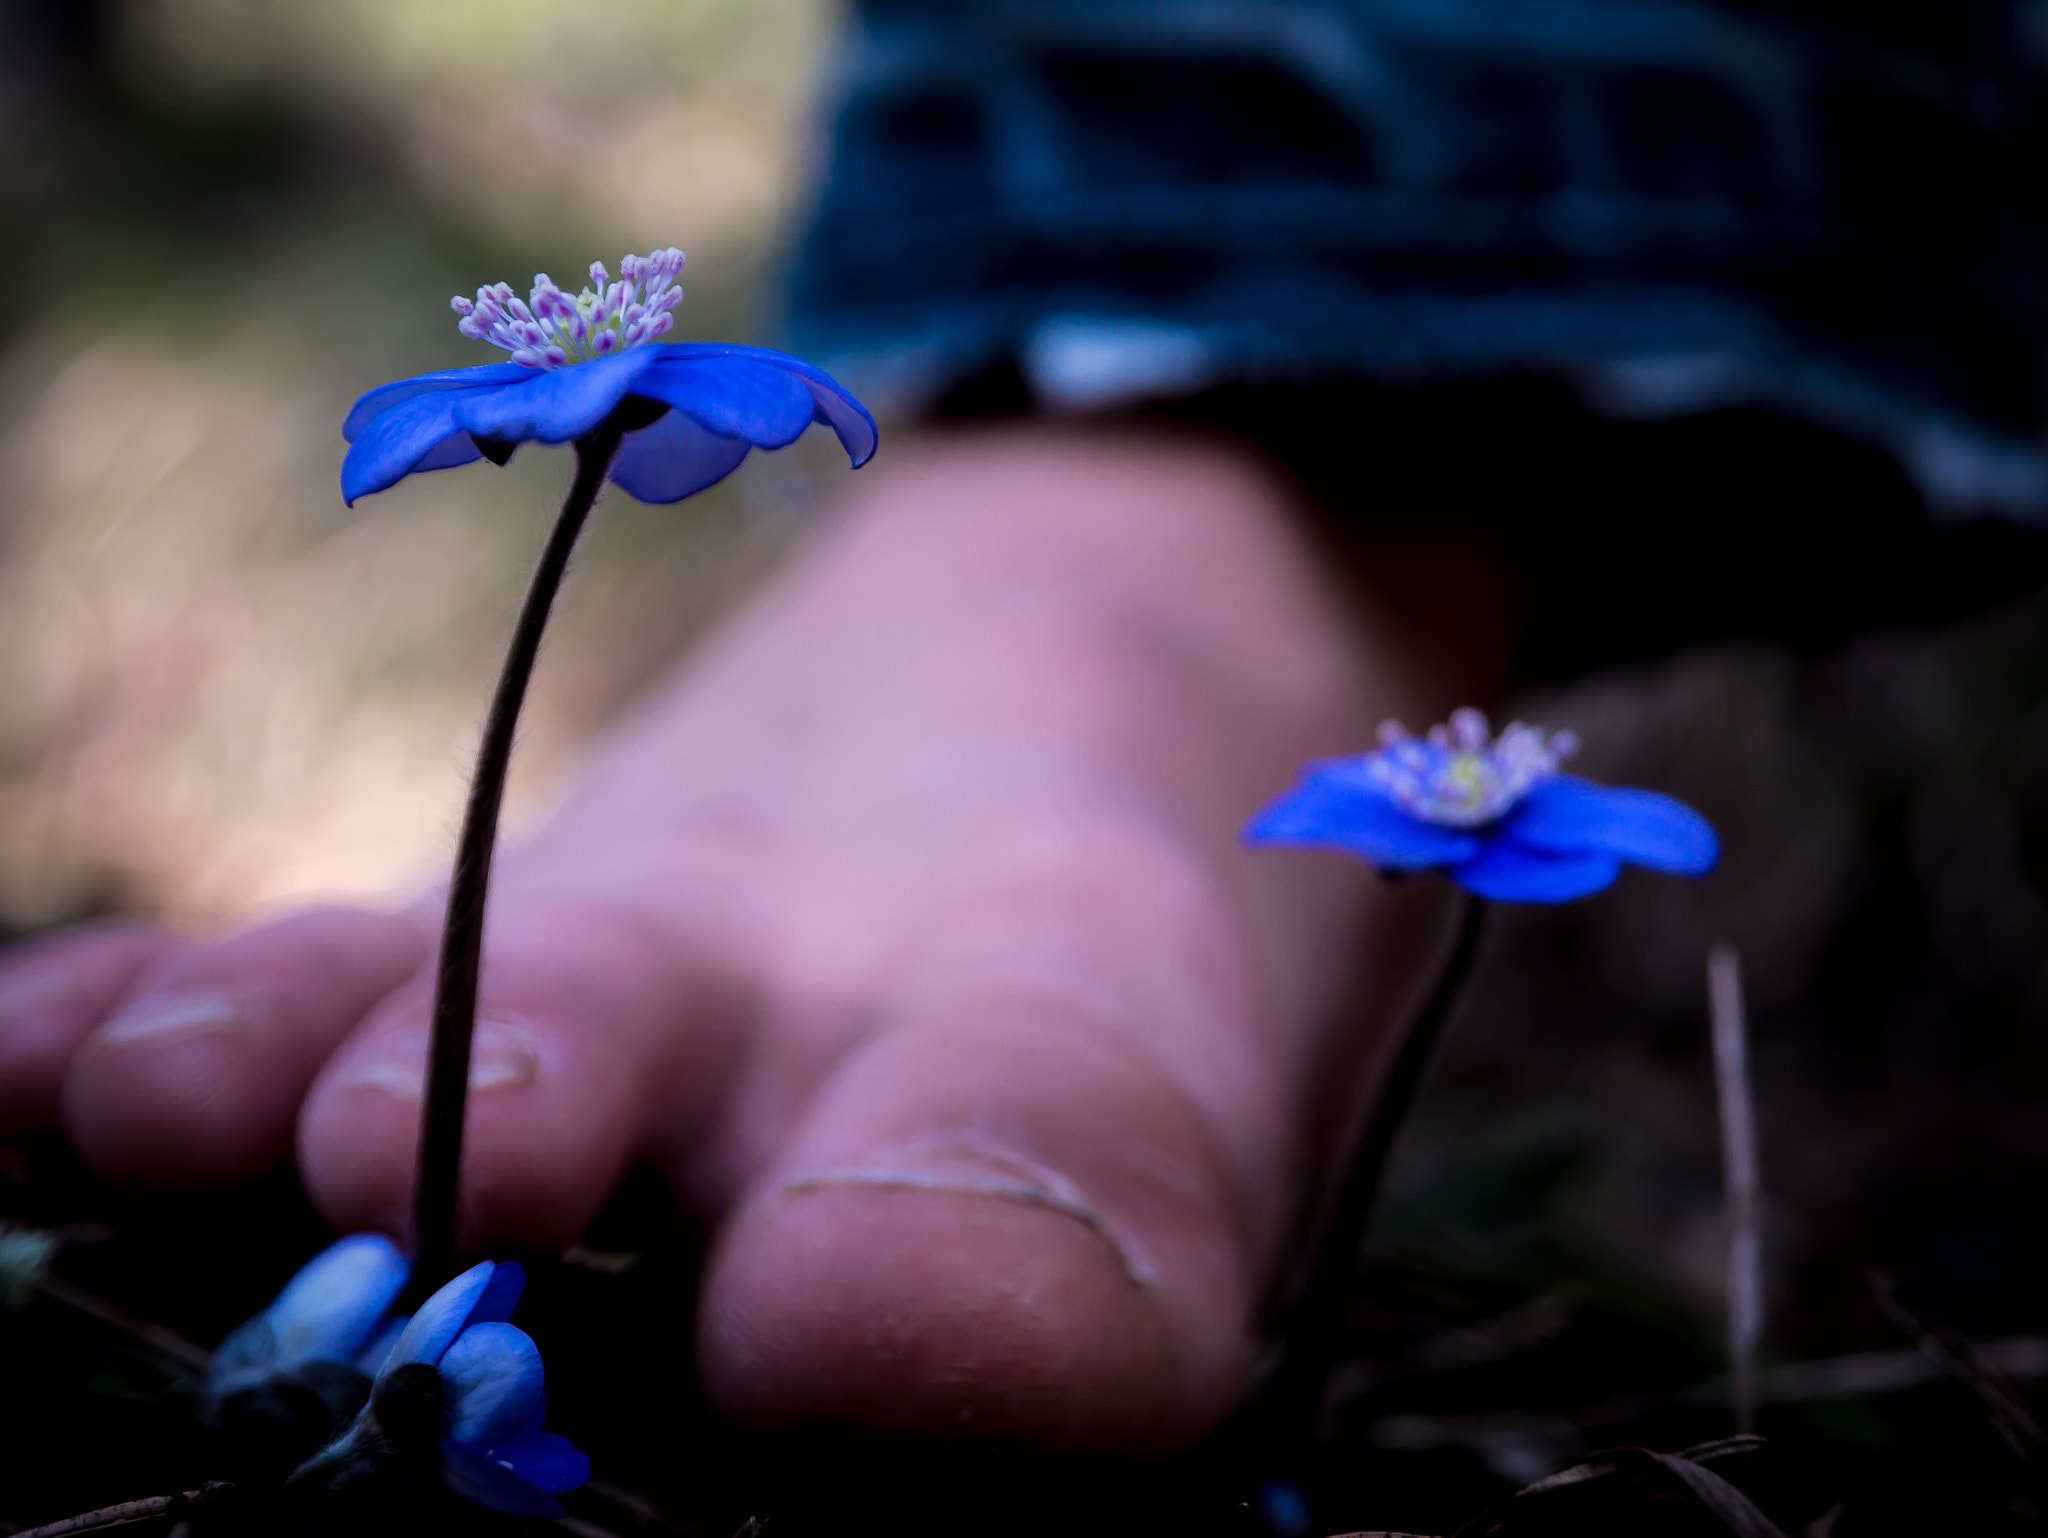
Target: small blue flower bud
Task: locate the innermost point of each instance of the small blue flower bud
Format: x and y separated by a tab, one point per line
493	1451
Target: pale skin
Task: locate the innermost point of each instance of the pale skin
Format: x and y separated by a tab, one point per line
906	929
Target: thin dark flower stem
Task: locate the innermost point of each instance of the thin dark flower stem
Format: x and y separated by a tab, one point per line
1742	1179
1315	1332
462	935
156	1506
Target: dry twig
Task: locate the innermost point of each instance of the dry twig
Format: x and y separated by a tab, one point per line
1743	1179
156	1506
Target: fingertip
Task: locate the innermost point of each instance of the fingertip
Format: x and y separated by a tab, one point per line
356	1139
594	1038
53	993
549	1127
951	1313
196	1077
997	1228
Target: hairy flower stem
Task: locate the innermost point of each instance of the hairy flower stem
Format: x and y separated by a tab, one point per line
462	934
1315	1331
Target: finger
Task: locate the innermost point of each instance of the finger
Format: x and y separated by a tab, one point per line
595	1034
53	994
1002	1222
197	1075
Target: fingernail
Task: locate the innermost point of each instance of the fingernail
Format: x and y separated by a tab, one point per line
971	1169
501	1056
178	1014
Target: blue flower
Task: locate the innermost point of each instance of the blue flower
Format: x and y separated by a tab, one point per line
576	359
1495	816
330	1312
492	1450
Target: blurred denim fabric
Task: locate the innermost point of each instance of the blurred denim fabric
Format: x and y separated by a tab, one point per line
1833	209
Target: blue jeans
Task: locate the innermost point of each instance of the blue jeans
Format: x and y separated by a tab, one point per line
1664	208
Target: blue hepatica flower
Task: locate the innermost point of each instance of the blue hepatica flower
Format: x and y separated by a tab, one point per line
492	1451
574	360
332	1311
1495	816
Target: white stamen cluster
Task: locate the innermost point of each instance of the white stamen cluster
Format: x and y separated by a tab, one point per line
1456	776
551	329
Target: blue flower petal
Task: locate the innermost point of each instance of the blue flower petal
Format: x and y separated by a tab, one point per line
248	1355
555	406
763	398
732	393
674	459
830	401
499	1299
494	1381
847	417
372	1357
440	1319
384	397
540	1414
1333	806
475	1478
395	444
1565	813
456	449
543	1459
332	1308
1505	872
